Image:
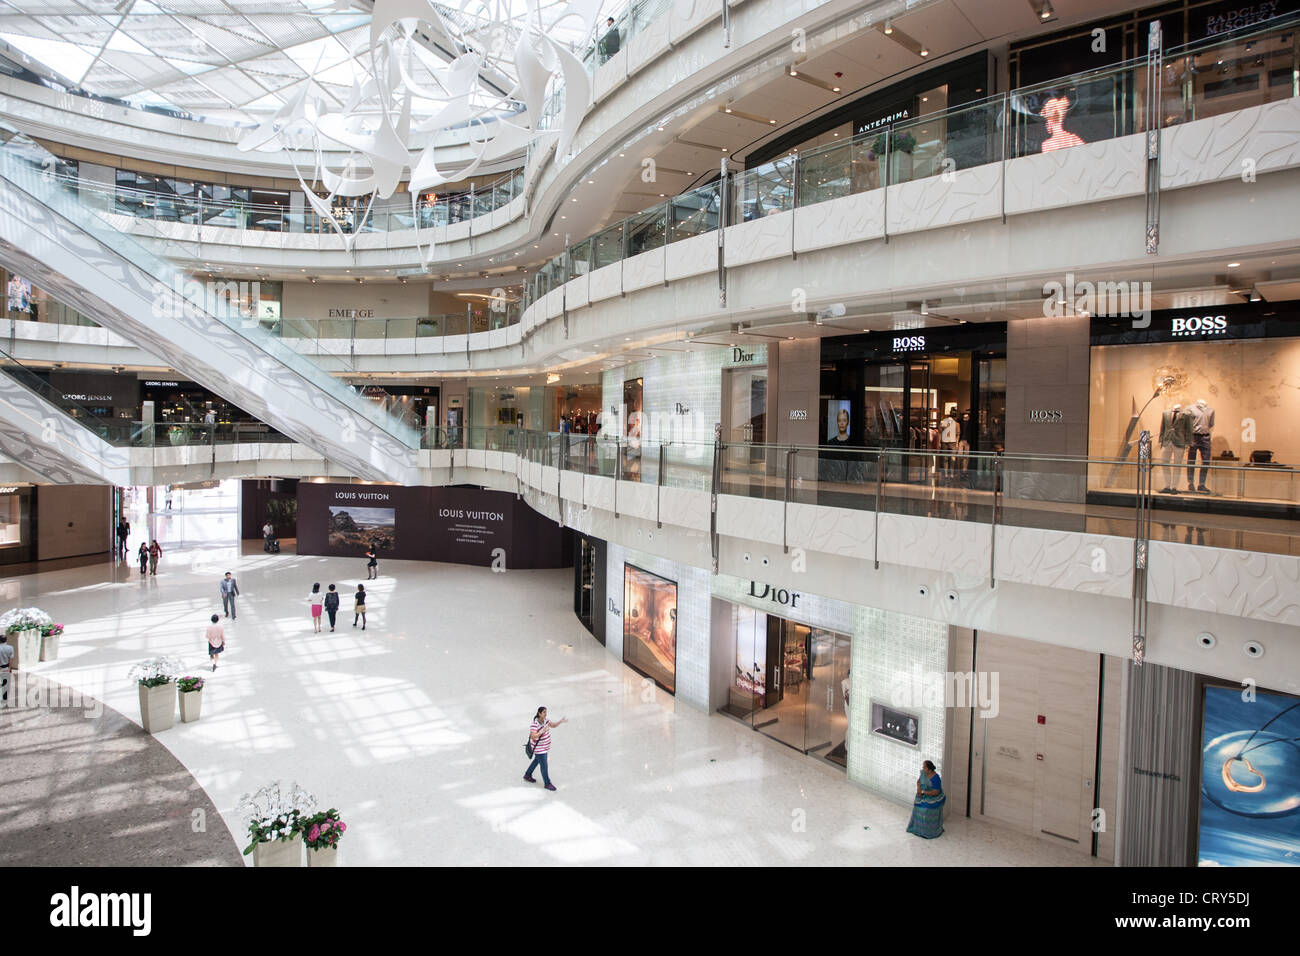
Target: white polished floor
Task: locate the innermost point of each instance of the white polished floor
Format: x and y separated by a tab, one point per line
414	729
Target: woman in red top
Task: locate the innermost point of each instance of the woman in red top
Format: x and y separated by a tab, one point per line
540	735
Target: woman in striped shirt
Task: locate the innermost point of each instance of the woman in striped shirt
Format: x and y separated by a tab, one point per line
540	735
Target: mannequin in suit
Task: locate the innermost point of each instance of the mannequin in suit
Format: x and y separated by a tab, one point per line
1201	416
1173	441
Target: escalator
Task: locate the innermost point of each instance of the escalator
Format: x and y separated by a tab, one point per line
54	240
58	441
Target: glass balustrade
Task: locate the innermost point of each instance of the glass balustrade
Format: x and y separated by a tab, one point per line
1073	110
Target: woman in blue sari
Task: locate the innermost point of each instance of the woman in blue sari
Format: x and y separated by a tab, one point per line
927	808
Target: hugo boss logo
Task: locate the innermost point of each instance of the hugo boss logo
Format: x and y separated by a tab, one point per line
1045	415
1199	325
909	343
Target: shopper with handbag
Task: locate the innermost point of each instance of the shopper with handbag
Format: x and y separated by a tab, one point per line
539	745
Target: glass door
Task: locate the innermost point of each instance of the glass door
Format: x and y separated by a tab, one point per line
783	715
746	395
827	697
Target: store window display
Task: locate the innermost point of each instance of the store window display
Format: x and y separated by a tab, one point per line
1222	412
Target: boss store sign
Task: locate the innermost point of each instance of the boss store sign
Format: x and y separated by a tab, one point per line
875	346
1254	320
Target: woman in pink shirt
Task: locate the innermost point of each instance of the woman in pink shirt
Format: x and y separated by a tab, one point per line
539	734
216	640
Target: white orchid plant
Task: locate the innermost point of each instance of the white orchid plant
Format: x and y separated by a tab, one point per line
274	814
21	618
156	671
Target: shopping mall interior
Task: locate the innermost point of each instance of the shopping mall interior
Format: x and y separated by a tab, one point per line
797	401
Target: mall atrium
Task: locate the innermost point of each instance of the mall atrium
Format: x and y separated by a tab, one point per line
857	423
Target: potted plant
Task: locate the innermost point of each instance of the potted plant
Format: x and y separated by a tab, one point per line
189	690
22	626
154	678
50	635
320	835
275	823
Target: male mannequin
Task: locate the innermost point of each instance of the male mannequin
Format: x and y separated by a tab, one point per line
1202	421
949	432
1175	435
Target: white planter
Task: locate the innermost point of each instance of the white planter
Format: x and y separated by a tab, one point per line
279	852
50	648
157	707
27	647
191	702
328	856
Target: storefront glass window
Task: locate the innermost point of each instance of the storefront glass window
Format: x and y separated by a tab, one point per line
1231	402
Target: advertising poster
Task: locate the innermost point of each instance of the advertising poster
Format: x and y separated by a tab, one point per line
356	528
650	626
838	421
1250	779
751	656
1065	116
633	398
20	294
472	524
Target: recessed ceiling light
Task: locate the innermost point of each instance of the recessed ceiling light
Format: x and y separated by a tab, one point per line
793	71
773	122
564	217
925	51
1233	265
889	27
835	89
727	110
621	155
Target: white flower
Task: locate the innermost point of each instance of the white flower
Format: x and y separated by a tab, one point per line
154	667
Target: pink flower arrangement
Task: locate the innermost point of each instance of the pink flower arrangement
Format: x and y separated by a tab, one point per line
323	830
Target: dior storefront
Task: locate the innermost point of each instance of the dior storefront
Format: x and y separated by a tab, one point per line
846	684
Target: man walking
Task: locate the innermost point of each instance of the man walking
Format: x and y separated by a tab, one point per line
229	591
267	531
123	532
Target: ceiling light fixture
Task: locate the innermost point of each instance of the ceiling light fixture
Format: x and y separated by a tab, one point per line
813	81
1043	10
906	42
889	27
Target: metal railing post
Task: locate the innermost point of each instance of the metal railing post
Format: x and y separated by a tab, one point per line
659	487
724	205
1141	548
993	526
785	504
618	473
880	488
1153	123
714	491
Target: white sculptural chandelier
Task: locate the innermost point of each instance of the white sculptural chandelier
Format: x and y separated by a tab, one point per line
493	86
